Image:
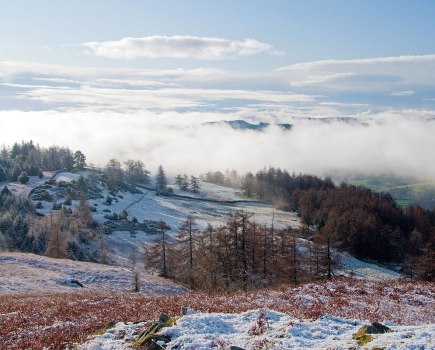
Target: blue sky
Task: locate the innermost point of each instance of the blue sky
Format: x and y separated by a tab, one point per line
159	65
302	30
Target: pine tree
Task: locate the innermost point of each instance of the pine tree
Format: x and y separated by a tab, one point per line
2	174
179	181
23	178
194	184
185	183
79	160
161	181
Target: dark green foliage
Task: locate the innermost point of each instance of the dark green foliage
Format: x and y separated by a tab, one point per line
23	178
161	181
109	200
123	215
66	210
5	192
14	228
42	195
26	157
56	206
194	184
182	181
68	162
79	160
179	181
2	174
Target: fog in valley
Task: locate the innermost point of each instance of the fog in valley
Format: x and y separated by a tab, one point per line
398	142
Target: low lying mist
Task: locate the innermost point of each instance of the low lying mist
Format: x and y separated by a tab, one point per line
397	142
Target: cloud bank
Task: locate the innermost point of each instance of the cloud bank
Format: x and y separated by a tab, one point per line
400	142
177	46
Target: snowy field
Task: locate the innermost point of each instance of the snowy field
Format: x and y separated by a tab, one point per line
22	272
349	266
211	191
174	210
267	329
23	191
352	267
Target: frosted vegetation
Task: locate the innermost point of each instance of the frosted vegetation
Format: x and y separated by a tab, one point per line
270	260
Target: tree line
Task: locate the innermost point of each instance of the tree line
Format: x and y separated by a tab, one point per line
239	254
24	159
65	233
368	224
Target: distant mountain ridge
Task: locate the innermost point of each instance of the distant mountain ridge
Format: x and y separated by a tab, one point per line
240	124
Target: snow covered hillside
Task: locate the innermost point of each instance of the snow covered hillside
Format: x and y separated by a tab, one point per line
23	191
21	272
213	204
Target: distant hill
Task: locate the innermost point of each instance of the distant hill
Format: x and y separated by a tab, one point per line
244	125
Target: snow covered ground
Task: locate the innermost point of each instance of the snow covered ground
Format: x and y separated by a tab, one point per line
212	191
350	266
23	191
22	272
68	177
172	210
267	329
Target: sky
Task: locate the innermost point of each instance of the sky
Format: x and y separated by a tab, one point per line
125	79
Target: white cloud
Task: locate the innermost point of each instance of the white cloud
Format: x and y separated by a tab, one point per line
315	93
178	46
381	74
321	79
403	93
96	98
360	61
